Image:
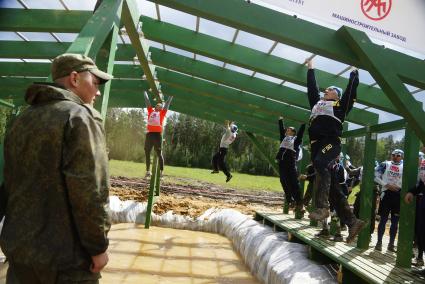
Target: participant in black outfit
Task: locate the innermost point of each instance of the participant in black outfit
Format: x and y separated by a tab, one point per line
389	175
287	158
420	211
325	130
308	176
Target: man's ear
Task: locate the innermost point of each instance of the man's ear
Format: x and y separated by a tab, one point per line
74	79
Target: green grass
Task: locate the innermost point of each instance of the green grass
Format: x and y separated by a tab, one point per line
180	175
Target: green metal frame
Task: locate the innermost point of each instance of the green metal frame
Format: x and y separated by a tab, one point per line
259	102
407	211
297	33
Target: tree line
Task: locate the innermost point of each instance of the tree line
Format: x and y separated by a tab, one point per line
191	142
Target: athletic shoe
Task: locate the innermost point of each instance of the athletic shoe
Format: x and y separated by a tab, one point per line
338	238
323	233
354	230
229	177
419	262
215	172
419	272
319	214
148	174
378	246
391	248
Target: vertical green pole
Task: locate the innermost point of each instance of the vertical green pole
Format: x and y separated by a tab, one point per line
105	61
407	211
151	192
157	177
367	188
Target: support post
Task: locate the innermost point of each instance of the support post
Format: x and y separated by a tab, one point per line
407	211
367	188
105	61
260	148
152	186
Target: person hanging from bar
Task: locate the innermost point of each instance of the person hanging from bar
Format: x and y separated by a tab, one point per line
218	161
287	158
389	176
419	192
155	123
325	130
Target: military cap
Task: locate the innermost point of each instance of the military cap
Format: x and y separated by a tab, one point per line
65	63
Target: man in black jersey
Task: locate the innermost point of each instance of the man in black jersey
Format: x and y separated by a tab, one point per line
325	130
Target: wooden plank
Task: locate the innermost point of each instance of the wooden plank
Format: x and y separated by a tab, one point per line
379	268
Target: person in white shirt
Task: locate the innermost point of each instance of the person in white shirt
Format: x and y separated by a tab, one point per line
389	176
218	162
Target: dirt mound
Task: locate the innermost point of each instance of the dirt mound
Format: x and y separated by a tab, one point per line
195	197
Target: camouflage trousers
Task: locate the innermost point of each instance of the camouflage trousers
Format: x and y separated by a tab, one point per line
25	274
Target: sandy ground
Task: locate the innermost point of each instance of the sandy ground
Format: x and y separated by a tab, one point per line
196	197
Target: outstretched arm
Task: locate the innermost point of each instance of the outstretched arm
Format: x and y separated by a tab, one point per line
281	128
147	102
350	94
312	88
168	102
300	135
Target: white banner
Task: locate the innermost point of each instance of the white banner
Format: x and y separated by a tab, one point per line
399	22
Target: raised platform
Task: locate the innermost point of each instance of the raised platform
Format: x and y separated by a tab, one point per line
356	266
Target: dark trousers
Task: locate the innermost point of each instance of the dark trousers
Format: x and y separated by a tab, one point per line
372	212
153	139
289	181
339	203
323	152
308	193
390	203
218	162
35	274
420	225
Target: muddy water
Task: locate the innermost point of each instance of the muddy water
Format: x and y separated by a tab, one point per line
162	255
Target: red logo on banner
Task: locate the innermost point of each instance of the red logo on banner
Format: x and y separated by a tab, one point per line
376	9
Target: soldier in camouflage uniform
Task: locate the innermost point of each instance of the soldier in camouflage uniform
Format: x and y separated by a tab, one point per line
57	181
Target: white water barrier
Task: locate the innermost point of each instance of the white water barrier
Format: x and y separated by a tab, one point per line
268	254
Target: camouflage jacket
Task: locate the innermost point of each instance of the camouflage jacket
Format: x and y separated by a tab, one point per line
56	180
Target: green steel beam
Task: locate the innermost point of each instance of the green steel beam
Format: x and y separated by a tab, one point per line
407	211
244	82
223	109
202	112
131	23
105	61
32	69
384	72
238	97
378	128
41	20
6	104
255	60
218	110
260	148
366	188
124	93
97	28
221	103
293	31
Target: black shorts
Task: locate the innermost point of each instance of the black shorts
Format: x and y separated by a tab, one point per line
390	203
